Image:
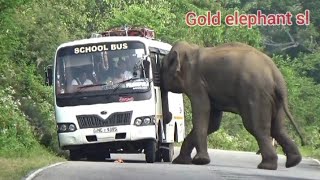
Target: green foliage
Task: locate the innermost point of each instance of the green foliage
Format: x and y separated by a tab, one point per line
309	65
288	40
140	15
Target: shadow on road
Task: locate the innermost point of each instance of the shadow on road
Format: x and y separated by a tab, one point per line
113	161
125	161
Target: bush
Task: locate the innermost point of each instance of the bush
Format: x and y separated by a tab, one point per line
27	110
16	135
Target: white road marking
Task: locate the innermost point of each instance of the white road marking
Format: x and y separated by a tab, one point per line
32	175
316	160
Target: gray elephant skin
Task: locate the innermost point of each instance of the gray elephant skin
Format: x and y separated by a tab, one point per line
236	78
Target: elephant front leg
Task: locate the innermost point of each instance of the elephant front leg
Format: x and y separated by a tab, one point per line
198	135
186	149
213	125
187	145
200	121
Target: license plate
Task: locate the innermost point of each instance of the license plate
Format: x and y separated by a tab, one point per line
105	130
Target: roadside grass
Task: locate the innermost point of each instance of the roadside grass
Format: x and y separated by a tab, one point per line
15	168
310	152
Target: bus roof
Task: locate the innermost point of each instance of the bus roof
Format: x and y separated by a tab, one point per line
148	42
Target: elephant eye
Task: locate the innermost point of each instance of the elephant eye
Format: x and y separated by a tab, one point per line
173	58
171	61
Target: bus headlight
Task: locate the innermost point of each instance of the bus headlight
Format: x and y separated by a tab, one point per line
66	127
144	121
63	127
72	127
147	120
138	122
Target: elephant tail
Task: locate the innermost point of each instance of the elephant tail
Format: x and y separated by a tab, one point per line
282	97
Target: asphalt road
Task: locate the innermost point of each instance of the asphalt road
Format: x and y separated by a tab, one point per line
225	165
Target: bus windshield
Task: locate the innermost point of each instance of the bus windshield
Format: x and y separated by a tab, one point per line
100	67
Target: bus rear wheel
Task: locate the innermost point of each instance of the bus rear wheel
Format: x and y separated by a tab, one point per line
158	156
167	152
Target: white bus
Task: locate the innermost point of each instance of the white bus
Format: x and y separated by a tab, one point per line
107	97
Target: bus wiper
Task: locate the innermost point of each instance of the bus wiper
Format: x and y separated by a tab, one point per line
91	85
122	82
78	91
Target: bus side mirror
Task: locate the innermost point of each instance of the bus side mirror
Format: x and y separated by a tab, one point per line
146	66
48	75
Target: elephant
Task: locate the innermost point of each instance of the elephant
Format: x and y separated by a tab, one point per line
232	77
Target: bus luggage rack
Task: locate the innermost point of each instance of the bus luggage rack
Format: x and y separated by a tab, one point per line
94	121
127	31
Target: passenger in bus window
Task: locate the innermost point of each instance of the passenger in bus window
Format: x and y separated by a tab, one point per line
121	73
117	77
82	80
107	75
125	74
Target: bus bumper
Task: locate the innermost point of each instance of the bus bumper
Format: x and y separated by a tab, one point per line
102	135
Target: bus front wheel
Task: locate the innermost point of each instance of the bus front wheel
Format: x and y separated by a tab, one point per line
150	151
75	155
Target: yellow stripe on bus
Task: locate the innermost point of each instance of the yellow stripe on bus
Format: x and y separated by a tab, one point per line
174	117
178	117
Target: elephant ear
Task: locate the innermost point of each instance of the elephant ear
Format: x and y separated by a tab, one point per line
174	61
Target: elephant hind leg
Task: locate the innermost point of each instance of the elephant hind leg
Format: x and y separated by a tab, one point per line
279	133
256	118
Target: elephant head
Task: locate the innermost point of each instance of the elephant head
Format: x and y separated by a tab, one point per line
171	68
172	74
169	81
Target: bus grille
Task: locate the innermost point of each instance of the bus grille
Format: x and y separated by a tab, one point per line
94	121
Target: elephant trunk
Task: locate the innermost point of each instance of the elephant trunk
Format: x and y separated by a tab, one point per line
167	115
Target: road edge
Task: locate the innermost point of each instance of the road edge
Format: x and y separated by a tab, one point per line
35	173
